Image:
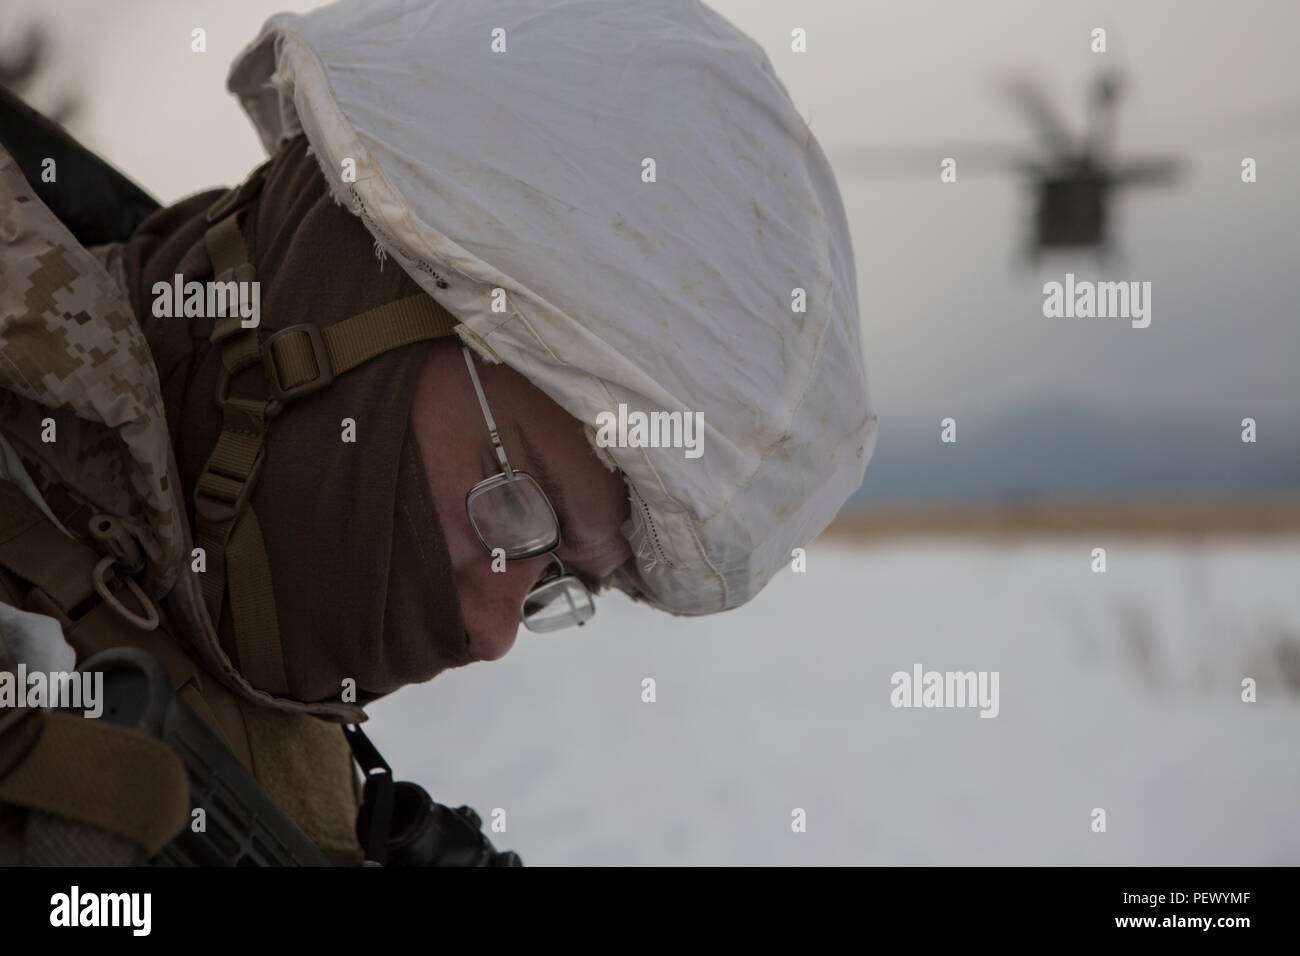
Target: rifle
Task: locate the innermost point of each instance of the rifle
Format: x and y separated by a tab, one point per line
403	826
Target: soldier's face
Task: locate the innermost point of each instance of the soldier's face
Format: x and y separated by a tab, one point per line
540	438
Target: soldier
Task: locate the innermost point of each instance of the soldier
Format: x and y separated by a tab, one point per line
398	463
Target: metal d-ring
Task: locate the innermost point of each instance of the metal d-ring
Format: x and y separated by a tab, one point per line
144	623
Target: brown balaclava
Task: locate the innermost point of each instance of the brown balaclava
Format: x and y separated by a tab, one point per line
362	580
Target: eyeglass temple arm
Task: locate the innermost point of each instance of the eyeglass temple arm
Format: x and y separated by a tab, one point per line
569	597
487	414
555	559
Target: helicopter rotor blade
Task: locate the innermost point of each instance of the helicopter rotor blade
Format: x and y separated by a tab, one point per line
1103	103
1251	124
1146	172
1032	101
883	160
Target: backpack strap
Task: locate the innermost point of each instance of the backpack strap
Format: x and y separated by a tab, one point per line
297	360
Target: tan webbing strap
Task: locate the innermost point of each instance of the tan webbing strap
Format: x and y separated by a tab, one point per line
228	251
222	493
103	775
229	255
42	555
224	487
252	602
228	531
20	729
354	341
241	347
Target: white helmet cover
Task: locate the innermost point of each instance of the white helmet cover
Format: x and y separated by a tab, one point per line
506	145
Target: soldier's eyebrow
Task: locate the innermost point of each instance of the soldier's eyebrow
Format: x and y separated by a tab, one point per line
572	538
545	478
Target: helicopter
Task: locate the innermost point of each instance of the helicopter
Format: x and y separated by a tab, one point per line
1073	180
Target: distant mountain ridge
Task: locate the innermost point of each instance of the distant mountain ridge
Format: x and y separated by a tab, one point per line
1055	448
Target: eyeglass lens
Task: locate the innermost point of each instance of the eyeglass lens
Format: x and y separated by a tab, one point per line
515	516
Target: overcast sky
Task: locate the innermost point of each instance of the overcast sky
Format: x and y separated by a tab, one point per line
950	326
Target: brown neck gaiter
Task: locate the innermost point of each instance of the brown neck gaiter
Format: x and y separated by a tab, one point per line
362	580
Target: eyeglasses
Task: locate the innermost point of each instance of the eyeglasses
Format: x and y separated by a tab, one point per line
509	512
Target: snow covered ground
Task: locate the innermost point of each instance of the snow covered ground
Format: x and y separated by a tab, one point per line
1119	690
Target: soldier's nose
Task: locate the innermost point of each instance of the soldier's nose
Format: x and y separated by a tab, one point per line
490	605
494	642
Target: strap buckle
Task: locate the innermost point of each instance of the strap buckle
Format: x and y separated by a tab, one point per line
320	354
273	407
217	507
